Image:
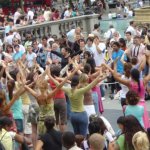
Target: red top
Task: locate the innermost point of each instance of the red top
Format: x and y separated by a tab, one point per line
59	94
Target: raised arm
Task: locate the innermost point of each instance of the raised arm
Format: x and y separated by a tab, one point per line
57	53
31	91
117	77
19	92
146	79
99	78
62	83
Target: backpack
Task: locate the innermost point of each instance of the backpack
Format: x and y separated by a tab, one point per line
1	144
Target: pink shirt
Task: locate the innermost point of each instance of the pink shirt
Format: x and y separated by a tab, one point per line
134	87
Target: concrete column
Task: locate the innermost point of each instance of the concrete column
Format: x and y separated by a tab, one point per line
55	29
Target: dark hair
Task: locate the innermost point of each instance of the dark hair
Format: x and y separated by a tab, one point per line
117	44
5	121
93	127
68	139
97	126
132	97
44	38
148	133
9	46
131	126
87	53
10	86
79	139
142	37
96	26
16	46
128	32
148	47
135	74
55	70
134	60
90	39
49	122
82	40
91	62
87	69
127	69
75	81
121	120
18	21
131	22
122	41
67	49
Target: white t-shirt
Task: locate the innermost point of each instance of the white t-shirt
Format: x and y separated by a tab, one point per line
30	58
108	125
1	43
124	89
99	57
70	35
66	14
130	13
46	15
30	15
22	48
109	33
9	39
132	30
16	16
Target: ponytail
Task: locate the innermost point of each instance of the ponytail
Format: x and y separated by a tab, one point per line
139	86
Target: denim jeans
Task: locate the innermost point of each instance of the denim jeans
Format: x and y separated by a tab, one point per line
68	107
102	90
79	121
95	100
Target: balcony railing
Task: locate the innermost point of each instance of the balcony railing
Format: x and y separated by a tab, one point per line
86	23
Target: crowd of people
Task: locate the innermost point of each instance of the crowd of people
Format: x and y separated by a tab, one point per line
46	84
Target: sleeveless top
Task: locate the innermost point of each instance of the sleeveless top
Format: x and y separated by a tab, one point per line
134	87
46	110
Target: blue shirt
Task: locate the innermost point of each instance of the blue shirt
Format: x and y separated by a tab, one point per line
118	54
18	55
17	109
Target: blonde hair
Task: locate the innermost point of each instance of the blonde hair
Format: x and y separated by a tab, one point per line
83	79
97	141
140	141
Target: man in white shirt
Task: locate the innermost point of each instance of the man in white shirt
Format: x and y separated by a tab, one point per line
17	15
110	32
67	13
131	28
30	57
30	14
99	51
71	34
9	38
96	30
47	14
129	42
137	50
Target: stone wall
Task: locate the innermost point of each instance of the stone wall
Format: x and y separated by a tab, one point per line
86	23
142	15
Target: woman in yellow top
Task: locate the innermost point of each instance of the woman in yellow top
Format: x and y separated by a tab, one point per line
79	118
